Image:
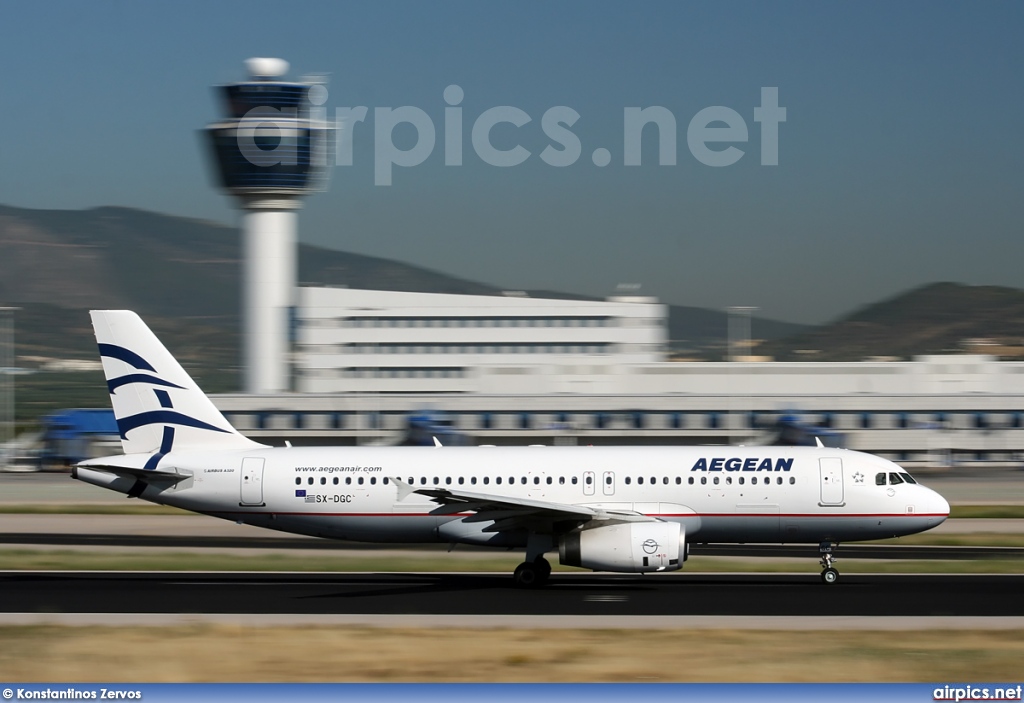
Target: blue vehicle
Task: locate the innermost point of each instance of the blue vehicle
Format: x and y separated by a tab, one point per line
71	436
424	426
793	431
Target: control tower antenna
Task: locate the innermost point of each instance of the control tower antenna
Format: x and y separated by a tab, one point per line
270	151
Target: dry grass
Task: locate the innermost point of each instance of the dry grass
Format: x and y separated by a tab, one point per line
201	653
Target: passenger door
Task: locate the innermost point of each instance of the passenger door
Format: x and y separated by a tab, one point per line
252	481
831	472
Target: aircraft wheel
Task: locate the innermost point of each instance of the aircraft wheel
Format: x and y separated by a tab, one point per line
543	567
829	576
529	575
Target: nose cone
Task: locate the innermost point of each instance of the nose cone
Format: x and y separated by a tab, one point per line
937	507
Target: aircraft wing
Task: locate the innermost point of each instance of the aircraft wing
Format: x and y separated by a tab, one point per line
508	513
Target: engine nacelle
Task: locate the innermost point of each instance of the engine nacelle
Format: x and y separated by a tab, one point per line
630	547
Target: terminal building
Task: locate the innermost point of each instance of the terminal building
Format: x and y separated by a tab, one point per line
518	370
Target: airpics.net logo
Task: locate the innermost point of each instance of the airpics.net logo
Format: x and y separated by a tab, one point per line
714	135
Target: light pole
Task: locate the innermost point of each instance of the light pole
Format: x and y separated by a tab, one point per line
7	363
739	340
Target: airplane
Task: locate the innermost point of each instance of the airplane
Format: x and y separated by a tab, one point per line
616	509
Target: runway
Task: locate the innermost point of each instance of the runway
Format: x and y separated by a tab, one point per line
446	594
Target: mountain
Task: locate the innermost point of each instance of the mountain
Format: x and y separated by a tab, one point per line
182	276
941	318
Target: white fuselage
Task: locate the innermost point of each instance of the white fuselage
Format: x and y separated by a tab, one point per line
718	494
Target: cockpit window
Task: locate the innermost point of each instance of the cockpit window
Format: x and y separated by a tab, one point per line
879	479
908	478
894	478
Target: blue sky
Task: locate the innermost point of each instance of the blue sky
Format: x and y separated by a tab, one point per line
899	160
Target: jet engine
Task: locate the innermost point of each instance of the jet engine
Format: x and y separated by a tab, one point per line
630	547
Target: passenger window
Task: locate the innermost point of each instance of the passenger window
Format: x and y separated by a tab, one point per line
323	480
879	479
742	479
298	480
436	480
728	480
792	480
487	480
607	480
373	480
690	481
360	480
589	480
640	480
753	480
779	480
574	480
627	480
679	480
384	481
335	481
348	480
561	480
703	480
472	480
894	478
423	480
461	480
310	481
716	480
448	480
664	480
549	480
497	480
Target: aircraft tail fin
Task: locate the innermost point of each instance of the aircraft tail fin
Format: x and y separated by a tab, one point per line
159	408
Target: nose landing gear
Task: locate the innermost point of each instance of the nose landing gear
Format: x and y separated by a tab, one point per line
829	573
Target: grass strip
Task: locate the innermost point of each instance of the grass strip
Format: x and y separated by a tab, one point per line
224	652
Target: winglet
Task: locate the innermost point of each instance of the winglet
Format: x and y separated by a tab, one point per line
404	489
818	442
437	442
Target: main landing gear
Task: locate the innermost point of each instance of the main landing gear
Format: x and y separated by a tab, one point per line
534	572
829	573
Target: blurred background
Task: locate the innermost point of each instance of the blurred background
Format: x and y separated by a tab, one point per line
865	291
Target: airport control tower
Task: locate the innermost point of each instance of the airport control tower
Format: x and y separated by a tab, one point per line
270	151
